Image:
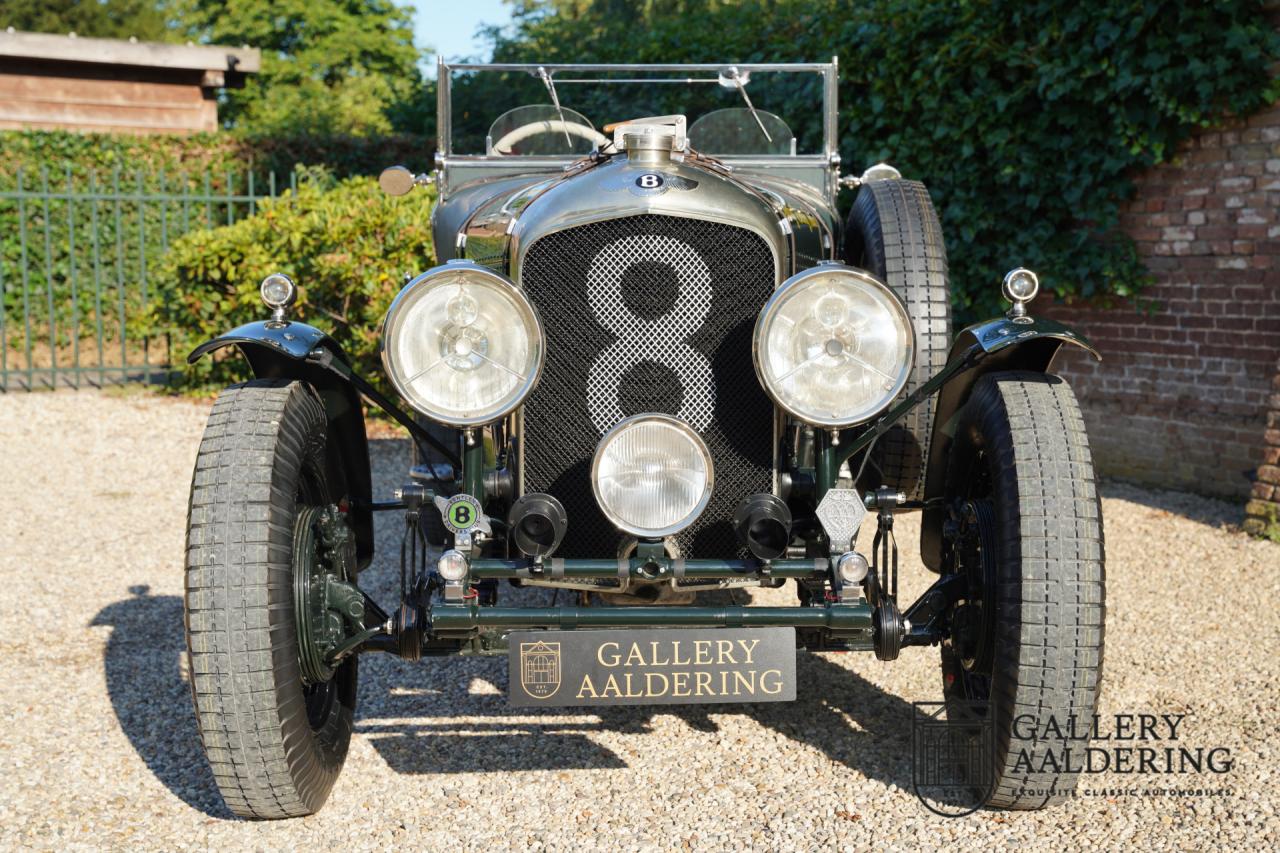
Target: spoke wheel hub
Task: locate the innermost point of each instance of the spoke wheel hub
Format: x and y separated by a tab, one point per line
328	607
973	541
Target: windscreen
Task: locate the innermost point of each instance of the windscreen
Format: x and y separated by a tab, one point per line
741	131
729	113
542	129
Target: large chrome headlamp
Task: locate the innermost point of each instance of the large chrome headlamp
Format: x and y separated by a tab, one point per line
834	346
652	475
462	344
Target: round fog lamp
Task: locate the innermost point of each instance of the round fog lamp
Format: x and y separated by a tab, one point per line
278	291
452	565
652	475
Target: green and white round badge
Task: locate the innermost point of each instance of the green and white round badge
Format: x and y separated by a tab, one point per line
461	513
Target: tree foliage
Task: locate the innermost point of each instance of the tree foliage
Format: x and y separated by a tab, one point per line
1027	118
146	20
328	66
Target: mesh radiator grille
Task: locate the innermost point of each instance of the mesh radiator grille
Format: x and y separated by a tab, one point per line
648	314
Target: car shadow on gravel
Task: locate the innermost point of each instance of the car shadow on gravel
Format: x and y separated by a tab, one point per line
447	715
450	715
150	697
437	723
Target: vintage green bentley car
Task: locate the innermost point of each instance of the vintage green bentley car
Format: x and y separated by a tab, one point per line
653	364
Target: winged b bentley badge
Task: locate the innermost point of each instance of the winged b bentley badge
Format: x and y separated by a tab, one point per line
647	183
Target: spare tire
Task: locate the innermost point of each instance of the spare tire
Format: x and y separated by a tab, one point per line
894	234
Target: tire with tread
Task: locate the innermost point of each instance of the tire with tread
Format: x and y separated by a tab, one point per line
893	232
275	747
1022	435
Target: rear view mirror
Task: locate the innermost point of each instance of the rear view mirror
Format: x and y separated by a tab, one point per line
396	180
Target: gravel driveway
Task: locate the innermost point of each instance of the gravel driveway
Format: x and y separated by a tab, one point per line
100	747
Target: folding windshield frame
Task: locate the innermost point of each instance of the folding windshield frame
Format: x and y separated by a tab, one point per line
444	105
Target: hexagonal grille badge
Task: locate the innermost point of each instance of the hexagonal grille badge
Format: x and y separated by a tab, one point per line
841	512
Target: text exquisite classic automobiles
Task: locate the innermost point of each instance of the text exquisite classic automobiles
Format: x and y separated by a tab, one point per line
654	362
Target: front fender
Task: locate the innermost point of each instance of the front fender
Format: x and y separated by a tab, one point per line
1007	343
281	350
285	338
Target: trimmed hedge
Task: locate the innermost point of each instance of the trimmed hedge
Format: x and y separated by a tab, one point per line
216	153
347	245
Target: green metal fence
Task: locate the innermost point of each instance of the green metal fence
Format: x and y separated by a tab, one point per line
75	250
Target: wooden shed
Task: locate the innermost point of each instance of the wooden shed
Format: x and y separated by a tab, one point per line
96	85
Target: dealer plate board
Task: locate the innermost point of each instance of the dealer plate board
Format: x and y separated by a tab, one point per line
651	666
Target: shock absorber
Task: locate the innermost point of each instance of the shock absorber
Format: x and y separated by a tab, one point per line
408	623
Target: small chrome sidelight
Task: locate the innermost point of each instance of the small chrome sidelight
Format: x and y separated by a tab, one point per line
853	568
278	292
453	566
878	172
1020	286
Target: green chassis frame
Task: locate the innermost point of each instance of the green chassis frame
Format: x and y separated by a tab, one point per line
846	621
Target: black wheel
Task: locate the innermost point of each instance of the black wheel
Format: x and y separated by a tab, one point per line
1026	533
893	233
275	726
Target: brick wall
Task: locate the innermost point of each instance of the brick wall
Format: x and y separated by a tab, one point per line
1181	398
1263	510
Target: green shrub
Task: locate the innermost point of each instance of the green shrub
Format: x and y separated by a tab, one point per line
55	150
347	245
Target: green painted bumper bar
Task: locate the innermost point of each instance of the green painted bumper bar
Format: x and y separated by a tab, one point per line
841	619
648	569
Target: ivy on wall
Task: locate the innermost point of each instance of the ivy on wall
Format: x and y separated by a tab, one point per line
1026	118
